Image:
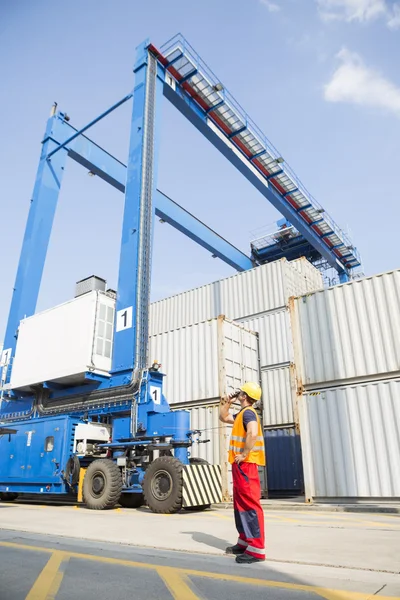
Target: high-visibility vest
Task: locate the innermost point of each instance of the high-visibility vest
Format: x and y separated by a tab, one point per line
238	439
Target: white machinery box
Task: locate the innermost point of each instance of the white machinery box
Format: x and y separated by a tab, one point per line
63	343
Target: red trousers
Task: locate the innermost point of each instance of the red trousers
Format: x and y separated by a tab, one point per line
249	516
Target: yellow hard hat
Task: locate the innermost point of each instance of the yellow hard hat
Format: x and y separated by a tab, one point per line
252	389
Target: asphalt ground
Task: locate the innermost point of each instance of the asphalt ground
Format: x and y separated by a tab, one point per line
68	552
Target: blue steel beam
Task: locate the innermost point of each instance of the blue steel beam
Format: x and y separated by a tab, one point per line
89	125
188	76
198	118
220	103
35	244
258	154
37	235
94	158
186	223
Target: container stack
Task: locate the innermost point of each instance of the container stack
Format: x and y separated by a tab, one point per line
347	354
257	300
204	362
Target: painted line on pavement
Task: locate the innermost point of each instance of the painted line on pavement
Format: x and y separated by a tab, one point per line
178	584
269	518
48	583
327	593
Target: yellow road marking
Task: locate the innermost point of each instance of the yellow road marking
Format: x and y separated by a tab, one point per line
335	519
329	594
341	523
314	519
282	519
48	583
339	595
230	518
177	583
307	521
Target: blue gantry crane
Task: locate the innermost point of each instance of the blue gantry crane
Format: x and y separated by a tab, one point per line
112	436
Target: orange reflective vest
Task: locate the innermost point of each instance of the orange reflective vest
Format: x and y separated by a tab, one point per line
238	439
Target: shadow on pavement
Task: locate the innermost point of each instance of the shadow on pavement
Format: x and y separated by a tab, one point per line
209	540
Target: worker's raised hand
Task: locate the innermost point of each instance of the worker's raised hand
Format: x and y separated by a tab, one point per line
228	399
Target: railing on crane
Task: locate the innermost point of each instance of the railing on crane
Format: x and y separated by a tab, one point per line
196	79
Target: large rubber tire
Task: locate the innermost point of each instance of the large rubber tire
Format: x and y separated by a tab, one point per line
102	485
133	500
198	461
72	470
162	485
8	496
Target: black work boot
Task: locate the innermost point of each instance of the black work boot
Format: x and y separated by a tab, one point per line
247	559
236	549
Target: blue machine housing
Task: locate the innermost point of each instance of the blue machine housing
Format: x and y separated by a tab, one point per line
34	458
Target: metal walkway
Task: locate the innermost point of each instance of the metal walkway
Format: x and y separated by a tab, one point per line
191	75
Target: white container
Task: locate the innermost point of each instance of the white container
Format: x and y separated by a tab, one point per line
206	360
278	396
312	277
241	296
349	333
351	442
65	342
275	337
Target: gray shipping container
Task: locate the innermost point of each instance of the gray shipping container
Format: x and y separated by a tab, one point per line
205	361
350	440
349	333
279	395
258	299
239	297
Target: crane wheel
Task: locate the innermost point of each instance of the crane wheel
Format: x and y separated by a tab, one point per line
132	500
72	470
198	461
102	485
162	485
8	496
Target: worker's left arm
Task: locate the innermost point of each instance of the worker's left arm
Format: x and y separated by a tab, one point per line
251	438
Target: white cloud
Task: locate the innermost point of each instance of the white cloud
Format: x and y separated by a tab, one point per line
360	10
394	20
271	6
353	82
351	10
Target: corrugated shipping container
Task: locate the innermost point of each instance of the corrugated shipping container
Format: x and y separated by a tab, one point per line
206	360
246	294
284	462
275	337
215	451
351	441
206	419
279	393
63	343
348	333
313	279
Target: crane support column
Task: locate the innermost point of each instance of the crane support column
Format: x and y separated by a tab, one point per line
131	327
37	235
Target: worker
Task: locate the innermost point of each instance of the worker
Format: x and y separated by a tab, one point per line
246	454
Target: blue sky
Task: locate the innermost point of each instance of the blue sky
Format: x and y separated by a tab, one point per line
320	77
